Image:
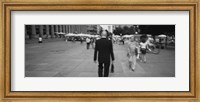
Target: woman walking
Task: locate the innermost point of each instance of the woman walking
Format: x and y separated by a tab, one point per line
143	48
132	53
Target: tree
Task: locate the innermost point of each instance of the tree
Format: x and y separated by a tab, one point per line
118	31
125	30
158	29
132	29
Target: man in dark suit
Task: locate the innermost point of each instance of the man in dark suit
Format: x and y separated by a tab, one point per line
104	50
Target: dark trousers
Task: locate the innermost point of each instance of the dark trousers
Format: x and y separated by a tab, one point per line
88	45
104	69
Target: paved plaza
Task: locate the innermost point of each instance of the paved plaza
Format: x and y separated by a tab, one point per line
72	59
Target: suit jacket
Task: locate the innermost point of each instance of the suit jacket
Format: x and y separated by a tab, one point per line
104	49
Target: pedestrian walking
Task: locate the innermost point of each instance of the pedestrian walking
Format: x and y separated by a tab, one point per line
81	40
88	42
143	48
132	53
92	42
104	51
40	39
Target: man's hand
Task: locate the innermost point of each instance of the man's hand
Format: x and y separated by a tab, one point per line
95	61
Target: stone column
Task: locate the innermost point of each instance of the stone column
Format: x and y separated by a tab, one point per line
69	28
60	28
72	28
80	29
33	30
64	31
66	28
47	31
52	31
41	31
56	30
77	28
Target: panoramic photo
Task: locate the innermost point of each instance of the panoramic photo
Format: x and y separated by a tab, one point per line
109	50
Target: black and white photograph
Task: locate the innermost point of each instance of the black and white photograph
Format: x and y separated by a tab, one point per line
104	49
101	50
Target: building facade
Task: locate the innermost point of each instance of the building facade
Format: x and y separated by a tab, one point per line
50	31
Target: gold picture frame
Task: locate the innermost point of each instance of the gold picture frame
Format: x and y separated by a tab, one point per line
166	5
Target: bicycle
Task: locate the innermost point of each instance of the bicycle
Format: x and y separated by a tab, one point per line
153	48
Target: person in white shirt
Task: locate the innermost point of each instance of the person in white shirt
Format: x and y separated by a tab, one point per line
88	42
40	39
143	47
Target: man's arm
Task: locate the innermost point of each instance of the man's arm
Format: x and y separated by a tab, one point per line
95	51
112	54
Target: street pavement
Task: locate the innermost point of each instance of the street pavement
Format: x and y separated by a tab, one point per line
68	59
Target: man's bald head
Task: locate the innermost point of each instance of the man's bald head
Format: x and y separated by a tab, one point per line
104	33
